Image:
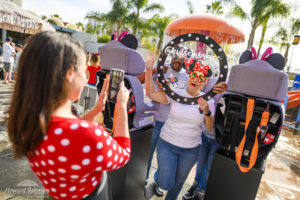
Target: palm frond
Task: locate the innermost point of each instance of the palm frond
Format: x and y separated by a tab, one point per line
96	15
154	7
237	11
275	9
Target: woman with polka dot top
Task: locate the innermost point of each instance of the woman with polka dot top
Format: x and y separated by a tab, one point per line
68	154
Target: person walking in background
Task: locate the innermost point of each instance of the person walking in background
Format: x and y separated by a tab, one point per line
68	154
93	68
8	59
19	49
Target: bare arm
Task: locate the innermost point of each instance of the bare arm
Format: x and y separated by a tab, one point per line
158	96
100	105
208	120
121	117
141	77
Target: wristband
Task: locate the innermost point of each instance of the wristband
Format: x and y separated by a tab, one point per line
208	114
200	110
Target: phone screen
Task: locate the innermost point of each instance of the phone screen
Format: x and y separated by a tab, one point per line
116	76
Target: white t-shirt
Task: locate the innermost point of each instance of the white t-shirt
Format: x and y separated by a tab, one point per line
7	51
183	127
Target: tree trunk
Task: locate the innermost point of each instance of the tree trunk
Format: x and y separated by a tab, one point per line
135	27
263	33
251	37
158	46
118	30
286	54
111	29
252	33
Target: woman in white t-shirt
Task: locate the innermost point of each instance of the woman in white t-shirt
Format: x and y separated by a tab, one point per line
180	139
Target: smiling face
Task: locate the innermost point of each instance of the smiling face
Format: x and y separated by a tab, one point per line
195	84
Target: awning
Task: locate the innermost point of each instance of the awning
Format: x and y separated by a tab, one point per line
14	18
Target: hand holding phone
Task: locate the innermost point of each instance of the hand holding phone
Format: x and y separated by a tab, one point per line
116	76
123	96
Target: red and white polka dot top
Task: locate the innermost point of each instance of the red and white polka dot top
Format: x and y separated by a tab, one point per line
70	159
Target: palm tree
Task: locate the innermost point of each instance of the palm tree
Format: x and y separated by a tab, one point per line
159	25
116	18
215	8
275	9
284	34
259	13
141	6
89	28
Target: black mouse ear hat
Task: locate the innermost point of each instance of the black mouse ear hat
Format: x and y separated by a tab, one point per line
275	59
130	41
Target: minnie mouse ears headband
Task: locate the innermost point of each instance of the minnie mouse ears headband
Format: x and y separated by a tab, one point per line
127	39
275	59
194	65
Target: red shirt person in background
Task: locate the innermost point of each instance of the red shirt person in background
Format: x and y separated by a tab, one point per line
68	154
93	68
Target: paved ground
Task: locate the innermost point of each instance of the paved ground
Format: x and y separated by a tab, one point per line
281	180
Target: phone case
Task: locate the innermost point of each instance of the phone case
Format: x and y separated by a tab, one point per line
116	76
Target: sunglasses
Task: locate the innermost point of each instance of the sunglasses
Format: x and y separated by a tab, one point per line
200	78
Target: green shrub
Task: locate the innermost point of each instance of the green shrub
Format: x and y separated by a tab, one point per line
148	45
104	38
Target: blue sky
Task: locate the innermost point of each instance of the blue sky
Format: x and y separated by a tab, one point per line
75	11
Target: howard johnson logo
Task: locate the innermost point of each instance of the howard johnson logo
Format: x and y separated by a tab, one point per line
26	188
27	183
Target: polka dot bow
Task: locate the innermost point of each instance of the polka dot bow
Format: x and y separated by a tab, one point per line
203	70
187	63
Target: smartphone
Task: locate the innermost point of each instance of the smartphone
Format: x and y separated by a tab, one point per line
116	76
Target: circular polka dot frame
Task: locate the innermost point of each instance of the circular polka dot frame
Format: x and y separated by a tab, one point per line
197	37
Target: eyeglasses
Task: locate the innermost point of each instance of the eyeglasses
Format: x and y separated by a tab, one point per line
199	77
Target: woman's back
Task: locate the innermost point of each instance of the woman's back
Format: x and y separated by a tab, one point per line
67	153
70	159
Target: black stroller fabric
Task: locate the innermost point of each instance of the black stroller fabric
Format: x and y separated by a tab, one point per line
262	132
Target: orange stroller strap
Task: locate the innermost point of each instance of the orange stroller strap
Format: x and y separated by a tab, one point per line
263	125
239	152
